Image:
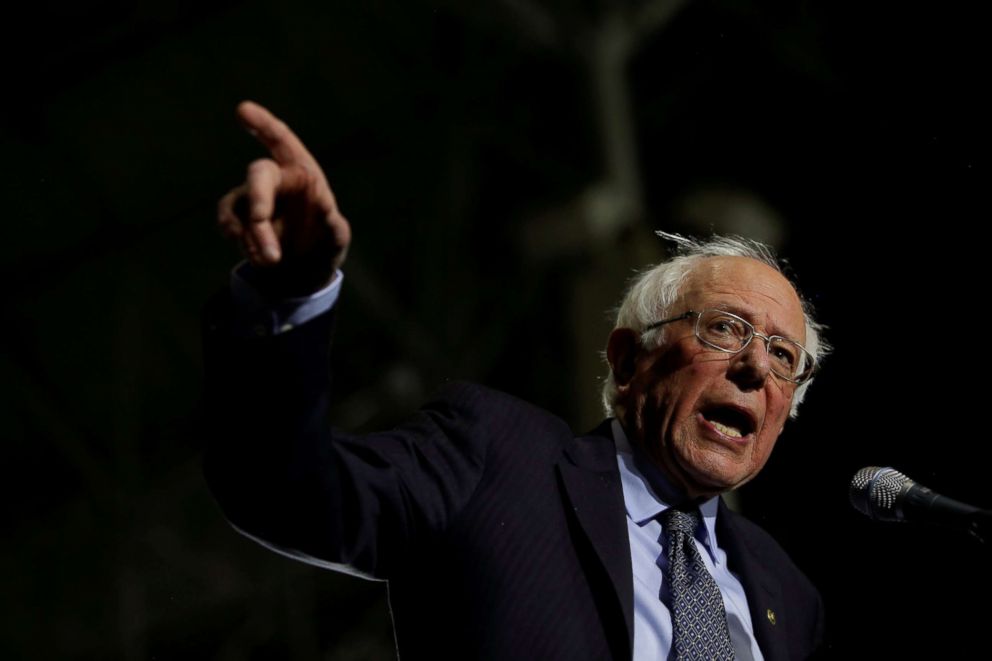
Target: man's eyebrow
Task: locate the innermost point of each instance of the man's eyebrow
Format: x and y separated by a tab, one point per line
735	309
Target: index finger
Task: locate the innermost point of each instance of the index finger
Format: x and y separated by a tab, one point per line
272	132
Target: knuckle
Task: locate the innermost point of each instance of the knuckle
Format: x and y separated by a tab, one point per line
260	167
303	174
258	211
309	177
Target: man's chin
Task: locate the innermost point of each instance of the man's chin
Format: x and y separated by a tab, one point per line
705	479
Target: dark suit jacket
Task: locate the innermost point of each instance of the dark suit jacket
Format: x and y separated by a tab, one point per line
502	534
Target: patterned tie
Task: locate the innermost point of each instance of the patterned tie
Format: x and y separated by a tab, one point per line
698	618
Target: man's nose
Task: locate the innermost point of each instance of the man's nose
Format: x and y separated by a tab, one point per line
751	367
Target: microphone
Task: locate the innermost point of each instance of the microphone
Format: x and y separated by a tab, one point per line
885	494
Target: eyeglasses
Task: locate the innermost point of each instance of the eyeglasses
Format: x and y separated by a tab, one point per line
729	333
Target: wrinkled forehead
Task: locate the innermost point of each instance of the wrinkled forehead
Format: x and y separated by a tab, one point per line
749	288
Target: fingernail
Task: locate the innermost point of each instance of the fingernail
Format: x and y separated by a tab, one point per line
271	253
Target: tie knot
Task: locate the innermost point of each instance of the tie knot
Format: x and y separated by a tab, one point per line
677	521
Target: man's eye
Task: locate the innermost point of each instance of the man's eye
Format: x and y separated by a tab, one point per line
726	327
784	356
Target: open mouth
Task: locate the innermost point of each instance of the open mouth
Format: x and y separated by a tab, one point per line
729	420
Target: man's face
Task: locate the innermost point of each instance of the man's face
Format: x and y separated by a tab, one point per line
710	419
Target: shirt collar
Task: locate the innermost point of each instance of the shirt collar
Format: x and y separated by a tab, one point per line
647	492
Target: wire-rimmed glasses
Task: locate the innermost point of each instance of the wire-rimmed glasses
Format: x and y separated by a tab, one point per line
724	331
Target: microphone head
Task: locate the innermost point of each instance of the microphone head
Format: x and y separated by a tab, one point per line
875	492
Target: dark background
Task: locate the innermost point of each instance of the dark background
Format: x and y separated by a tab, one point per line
503	165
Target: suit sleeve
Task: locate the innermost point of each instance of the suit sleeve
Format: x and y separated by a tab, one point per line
284	477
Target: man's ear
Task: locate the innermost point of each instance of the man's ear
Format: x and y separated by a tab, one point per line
621	350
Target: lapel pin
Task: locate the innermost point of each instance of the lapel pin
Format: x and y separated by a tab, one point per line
771	616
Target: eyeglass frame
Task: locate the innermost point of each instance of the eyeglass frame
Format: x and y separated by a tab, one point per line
754	333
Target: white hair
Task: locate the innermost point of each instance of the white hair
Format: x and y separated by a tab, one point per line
653	292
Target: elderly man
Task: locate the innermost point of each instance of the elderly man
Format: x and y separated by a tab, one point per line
501	533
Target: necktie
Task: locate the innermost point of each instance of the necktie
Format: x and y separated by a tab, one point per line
699	621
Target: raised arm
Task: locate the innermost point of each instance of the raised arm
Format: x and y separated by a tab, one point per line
281	474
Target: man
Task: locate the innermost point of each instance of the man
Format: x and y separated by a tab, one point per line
501	534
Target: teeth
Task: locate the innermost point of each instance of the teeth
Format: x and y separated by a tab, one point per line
729	431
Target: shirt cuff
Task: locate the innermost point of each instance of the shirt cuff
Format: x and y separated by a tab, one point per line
255	315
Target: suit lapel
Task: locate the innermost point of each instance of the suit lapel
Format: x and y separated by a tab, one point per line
763	589
592	490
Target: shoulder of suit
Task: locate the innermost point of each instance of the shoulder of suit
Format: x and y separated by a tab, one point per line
500	412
